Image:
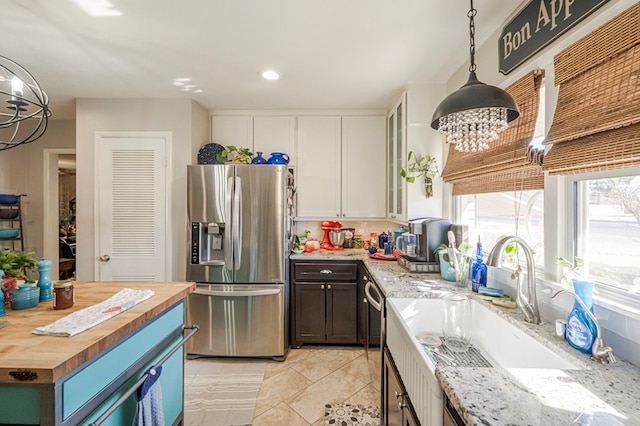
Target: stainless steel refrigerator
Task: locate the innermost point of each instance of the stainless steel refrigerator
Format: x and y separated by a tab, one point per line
237	255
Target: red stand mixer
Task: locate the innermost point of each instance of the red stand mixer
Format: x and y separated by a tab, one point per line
328	226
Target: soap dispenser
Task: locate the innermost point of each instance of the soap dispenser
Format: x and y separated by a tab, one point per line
478	270
581	332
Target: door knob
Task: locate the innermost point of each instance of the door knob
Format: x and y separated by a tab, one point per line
105	258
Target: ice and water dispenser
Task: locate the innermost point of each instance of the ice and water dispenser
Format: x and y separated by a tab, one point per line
207	243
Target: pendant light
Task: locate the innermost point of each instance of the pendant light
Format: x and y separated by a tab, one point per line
473	116
24	113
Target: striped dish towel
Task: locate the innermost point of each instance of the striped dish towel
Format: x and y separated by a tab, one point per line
86	318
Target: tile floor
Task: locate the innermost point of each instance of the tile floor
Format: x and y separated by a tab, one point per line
292	392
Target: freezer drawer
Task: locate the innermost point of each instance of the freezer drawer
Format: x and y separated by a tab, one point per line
238	320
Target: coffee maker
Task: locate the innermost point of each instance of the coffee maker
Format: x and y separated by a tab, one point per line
430	233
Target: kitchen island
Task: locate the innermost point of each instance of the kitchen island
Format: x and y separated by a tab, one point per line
593	394
51	380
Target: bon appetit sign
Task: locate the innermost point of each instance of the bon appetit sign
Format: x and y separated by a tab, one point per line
539	23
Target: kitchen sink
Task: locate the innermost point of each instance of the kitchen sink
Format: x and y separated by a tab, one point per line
495	342
500	342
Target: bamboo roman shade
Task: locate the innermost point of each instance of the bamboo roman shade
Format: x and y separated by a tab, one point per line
509	164
596	125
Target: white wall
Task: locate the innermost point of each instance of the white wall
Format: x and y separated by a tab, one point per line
620	326
21	173
187	121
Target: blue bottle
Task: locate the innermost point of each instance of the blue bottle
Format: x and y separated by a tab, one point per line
580	331
259	159
44	282
478	270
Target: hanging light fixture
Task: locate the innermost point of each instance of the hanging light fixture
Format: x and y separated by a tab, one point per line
473	116
24	112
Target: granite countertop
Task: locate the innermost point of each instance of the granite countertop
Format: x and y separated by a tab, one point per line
593	394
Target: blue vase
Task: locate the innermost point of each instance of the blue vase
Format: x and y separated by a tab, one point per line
44	282
581	332
2	310
278	158
259	159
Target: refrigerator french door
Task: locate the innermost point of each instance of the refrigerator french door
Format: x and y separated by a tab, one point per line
237	216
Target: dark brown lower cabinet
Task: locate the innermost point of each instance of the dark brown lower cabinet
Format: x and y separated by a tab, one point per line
325	303
397	410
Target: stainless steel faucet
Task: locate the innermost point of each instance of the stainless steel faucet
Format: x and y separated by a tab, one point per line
528	302
599	351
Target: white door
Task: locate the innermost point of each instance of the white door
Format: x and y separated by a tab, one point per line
131	207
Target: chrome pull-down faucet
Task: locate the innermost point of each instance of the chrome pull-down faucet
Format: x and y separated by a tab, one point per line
528	302
599	351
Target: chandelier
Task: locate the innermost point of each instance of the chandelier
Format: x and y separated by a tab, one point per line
473	116
24	112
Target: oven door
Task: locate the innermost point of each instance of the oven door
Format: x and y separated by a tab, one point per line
237	320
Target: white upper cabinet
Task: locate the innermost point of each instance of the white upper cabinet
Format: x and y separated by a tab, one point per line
396	160
341	167
274	134
318	170
363	167
232	130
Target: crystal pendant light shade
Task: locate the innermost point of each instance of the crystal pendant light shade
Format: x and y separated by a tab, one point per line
24	112
473	116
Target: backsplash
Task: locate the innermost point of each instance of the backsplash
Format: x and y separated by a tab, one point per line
361	227
620	332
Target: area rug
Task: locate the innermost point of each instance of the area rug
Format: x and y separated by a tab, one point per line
221	392
351	415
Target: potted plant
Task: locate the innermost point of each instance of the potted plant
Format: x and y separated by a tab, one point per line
233	154
14	264
570	271
421	166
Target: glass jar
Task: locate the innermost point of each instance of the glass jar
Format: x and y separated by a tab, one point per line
63	295
456	323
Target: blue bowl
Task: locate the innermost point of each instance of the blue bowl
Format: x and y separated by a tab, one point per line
9	233
25	297
8	199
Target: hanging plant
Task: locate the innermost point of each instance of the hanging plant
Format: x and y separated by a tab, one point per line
421	166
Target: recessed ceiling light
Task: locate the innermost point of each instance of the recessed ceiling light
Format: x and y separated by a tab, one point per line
270	75
180	81
97	7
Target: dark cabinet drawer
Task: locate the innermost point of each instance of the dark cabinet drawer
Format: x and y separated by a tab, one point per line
325	271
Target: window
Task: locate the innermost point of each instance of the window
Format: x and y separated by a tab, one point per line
608	231
493	215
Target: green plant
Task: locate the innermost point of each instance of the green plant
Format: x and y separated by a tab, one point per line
418	166
14	263
570	270
233	154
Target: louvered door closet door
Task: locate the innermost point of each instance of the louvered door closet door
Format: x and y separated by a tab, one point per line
132	204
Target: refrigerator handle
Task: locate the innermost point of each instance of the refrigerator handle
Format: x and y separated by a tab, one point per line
228	258
237	221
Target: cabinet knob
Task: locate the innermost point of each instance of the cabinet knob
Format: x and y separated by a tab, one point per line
105	258
364	301
329	286
398	395
326	271
365	278
344	214
401	405
322	286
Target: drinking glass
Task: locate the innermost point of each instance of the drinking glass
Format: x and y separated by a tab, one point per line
456	325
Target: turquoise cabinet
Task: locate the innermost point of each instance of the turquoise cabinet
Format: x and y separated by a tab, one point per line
83	395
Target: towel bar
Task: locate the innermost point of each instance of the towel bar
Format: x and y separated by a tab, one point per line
194	329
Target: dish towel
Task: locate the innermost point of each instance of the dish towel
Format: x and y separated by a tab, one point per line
149	397
86	318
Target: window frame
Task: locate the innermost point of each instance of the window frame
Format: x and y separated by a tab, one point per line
575	190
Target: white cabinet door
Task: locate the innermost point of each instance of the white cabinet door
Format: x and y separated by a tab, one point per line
363	167
232	130
319	167
396	159
274	134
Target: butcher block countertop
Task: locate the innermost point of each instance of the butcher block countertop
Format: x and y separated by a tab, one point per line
52	357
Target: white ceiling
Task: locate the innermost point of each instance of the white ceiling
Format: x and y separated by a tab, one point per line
334	54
